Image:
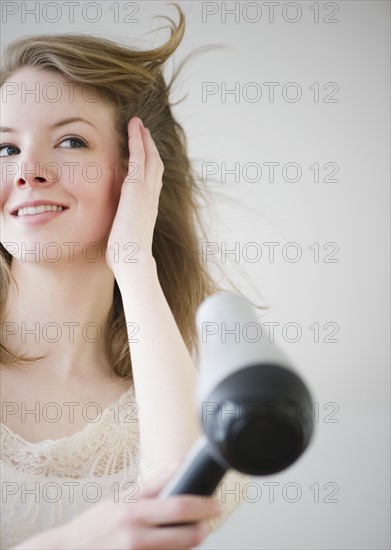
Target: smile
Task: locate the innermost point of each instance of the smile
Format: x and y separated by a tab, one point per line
33	210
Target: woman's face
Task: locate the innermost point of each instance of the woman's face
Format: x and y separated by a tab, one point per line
47	157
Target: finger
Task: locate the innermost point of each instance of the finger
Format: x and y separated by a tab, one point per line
154	166
136	152
176	509
153	486
171	538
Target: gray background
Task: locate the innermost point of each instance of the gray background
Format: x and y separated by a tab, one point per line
350	377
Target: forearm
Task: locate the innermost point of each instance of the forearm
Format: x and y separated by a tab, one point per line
164	373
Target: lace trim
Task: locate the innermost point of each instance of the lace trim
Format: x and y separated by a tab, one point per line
102	448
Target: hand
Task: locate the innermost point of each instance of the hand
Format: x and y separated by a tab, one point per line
137	210
131	526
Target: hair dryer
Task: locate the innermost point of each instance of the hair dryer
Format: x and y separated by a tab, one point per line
255	411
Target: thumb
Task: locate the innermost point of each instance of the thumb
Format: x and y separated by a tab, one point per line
152	486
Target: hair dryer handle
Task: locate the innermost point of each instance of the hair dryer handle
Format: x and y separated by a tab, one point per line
199	474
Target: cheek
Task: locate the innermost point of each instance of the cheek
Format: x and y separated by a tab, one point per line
5	188
102	203
113	185
98	187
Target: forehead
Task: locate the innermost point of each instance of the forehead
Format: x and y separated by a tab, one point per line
31	93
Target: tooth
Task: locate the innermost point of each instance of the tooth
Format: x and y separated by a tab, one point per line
32	210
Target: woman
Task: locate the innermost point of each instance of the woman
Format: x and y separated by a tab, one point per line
101	280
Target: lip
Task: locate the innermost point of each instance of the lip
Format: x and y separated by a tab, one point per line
36	219
14	210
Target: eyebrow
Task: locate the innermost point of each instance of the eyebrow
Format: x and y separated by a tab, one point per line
55	125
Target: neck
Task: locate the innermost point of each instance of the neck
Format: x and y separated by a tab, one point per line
60	312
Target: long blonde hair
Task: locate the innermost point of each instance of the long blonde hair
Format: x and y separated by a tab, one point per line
132	82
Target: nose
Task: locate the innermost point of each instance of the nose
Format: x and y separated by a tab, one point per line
34	175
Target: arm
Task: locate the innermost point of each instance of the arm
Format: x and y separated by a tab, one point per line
164	373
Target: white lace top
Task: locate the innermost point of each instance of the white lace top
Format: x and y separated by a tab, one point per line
47	484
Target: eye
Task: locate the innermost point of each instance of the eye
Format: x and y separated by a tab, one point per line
76	143
4	149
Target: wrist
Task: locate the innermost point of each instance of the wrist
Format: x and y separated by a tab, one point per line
137	273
